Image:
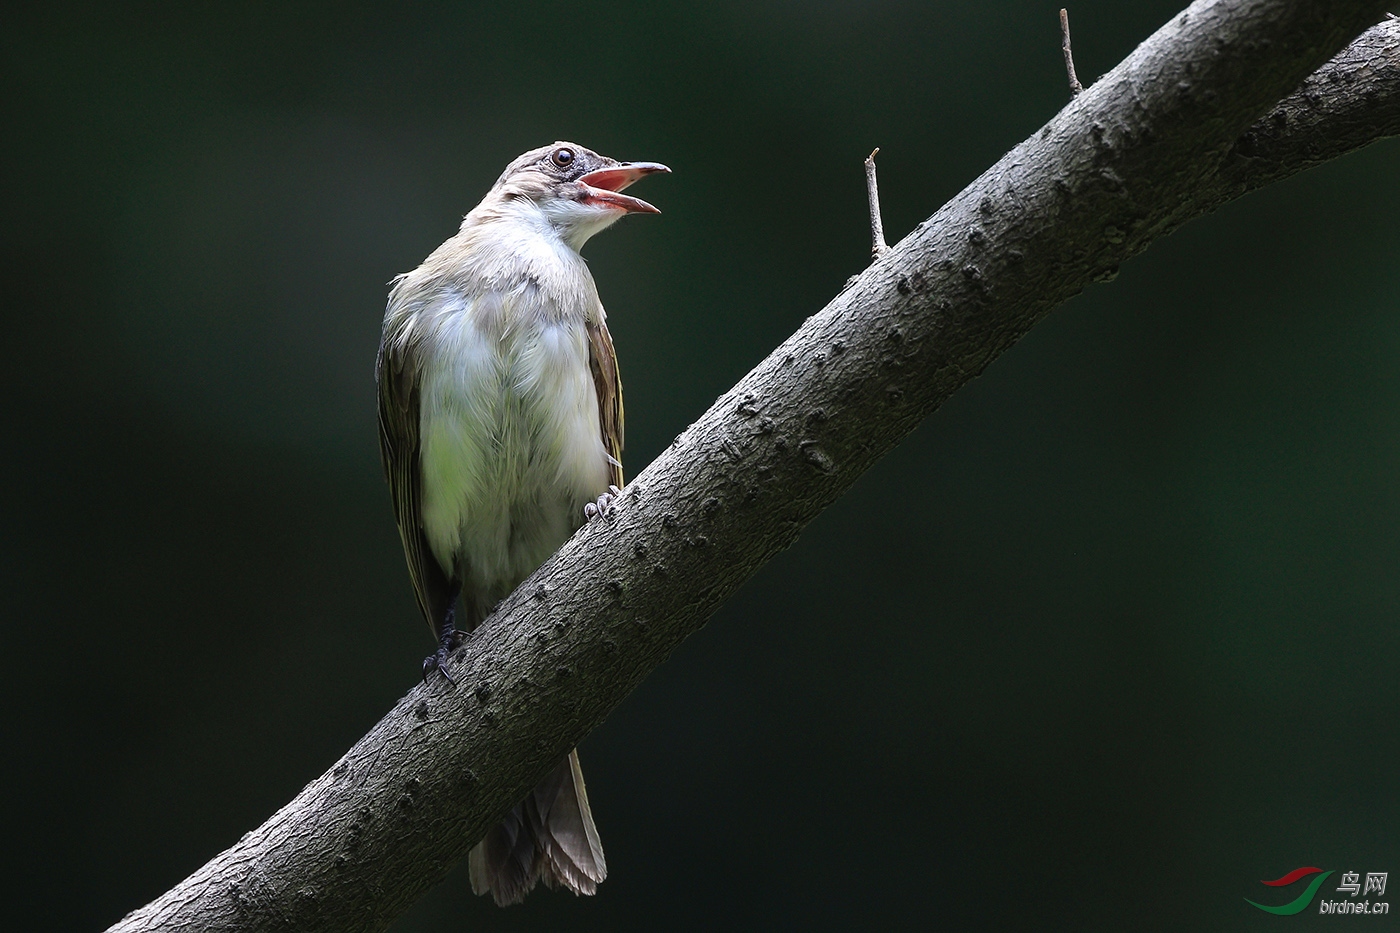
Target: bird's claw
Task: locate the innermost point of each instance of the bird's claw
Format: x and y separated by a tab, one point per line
605	503
437	661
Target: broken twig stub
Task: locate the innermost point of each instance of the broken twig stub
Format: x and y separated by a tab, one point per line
878	246
1075	87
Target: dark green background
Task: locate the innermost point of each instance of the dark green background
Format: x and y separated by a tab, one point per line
1110	639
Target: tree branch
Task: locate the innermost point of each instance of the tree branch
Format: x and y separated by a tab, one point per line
1171	133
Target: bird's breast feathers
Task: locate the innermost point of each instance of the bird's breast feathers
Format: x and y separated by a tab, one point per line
511	447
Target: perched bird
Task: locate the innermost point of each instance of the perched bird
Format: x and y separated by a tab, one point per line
500	420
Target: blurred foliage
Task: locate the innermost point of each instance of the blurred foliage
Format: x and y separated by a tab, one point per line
1112	636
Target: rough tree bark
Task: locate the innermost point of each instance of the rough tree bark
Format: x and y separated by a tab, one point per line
1190	120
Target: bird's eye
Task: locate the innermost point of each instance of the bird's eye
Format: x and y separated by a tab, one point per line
563	157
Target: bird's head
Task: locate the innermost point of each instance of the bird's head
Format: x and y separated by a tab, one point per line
578	191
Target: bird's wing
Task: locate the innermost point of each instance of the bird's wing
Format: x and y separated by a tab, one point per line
602	360
397	373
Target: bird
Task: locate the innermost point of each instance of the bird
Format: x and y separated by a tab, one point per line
500	429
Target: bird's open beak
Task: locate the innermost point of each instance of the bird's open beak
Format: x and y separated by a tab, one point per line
604	187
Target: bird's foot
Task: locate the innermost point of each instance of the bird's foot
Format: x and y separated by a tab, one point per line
605	503
437	661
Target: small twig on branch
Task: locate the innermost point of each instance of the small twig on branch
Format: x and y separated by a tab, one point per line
878	246
1075	87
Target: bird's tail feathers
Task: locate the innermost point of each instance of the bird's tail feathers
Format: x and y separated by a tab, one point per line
549	836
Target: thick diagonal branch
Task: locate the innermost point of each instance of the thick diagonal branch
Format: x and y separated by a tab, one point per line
1190	120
